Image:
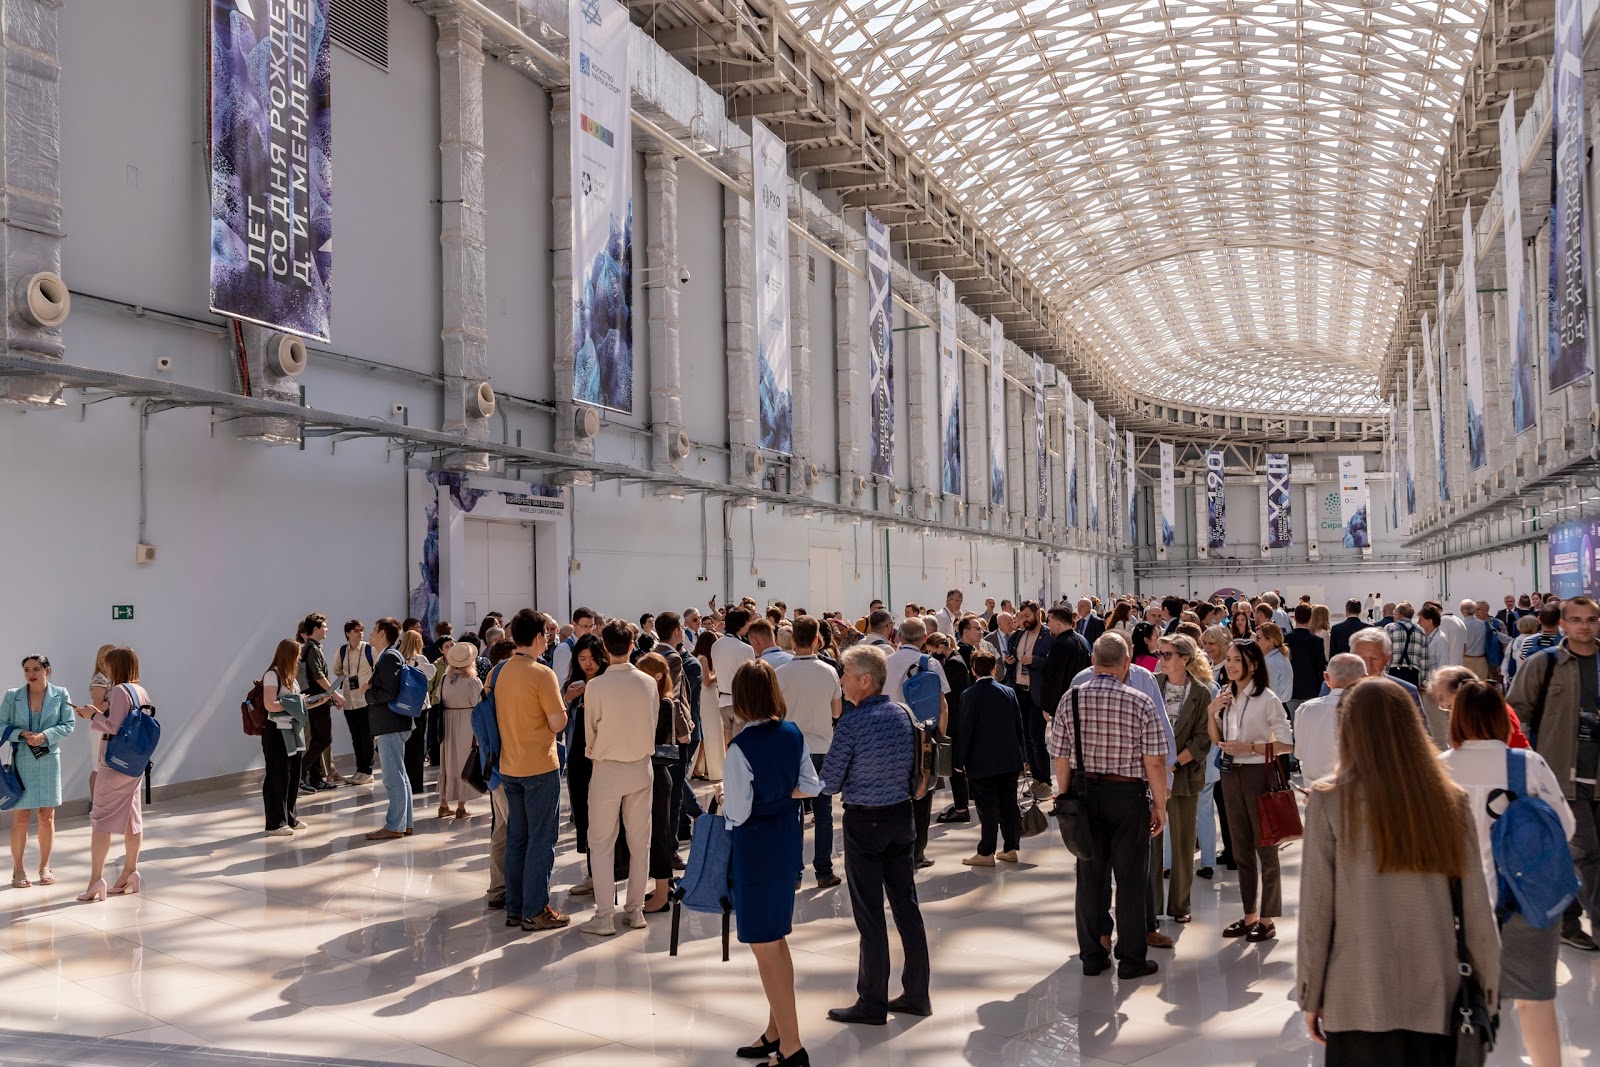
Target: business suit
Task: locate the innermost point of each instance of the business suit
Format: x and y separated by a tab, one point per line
1069	654
1090	627
1033	711
1340	633
989	746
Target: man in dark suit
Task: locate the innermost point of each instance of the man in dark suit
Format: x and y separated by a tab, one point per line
1030	650
1069	654
1089	626
1339	635
1172	612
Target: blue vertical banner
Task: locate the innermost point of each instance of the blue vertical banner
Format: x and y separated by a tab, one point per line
1042	460
1070	446
1092	457
1569	359
602	204
271	144
1411	431
1523	403
997	413
1353	501
1216	502
1477	448
949	391
1280	516
772	289
880	347
1435	411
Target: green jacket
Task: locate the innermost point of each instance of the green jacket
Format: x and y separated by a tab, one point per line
1189	732
1553	729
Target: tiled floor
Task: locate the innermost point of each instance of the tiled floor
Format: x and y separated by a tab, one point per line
331	949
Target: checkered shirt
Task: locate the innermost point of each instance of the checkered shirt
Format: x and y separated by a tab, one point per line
1420	657
1120	728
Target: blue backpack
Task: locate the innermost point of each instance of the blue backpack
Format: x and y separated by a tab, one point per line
136	739
412	697
921	691
1537	879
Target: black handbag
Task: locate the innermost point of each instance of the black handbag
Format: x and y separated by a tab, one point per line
1034	820
472	772
1471	1019
1072	807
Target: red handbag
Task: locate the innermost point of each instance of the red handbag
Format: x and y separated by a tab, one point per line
1277	814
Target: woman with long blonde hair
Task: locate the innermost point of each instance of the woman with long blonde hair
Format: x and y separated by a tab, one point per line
1390	848
1185	679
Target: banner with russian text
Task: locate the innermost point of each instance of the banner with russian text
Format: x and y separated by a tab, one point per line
1523	404
1042	460
1216	502
1477	449
1280	518
1353	501
602	205
1569	360
949	390
1092	437
1071	445
997	413
271	142
1435	414
776	392
880	347
1169	501
1411	433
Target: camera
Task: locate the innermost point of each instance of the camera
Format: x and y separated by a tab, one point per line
684	277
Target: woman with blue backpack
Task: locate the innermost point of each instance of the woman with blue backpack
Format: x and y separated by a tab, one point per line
116	793
390	726
1518	807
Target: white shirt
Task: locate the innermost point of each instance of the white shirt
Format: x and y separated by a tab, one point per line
809	688
1257	718
900	664
727	654
1447	645
561	661
1479	767
1316	735
947	622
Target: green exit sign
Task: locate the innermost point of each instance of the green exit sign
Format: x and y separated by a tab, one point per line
121	611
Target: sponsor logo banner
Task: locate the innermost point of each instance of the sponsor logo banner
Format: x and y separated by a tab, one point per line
1353	501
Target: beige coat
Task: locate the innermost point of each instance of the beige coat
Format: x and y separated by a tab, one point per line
1377	951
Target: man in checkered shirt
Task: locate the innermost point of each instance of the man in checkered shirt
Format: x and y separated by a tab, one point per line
1124	761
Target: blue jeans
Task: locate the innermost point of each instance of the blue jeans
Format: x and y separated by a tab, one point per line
392	753
533	804
822	824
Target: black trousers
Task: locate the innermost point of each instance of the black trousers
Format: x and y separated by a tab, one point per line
318	741
1120	815
877	857
663	836
280	789
434	717
1226	855
998	814
960	789
1033	731
922	813
360	738
1361	1048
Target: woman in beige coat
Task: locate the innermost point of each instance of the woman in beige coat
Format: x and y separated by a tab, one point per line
1385	837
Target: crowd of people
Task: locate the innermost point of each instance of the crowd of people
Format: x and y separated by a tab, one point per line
1167	730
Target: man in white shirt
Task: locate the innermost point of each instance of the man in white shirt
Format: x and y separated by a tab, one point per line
1474	655
727	653
619	709
948	615
913	634
1316	722
583	620
1447	636
764	643
812	694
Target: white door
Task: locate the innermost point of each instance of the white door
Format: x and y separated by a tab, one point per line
498	569
827	581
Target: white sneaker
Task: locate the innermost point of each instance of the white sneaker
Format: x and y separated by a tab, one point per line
600	926
584	888
634	920
361	779
979	861
297	825
282	831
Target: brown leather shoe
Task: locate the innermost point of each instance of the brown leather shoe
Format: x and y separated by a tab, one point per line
1157	939
384	834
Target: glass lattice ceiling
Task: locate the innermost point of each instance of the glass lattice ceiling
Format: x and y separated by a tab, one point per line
1225	196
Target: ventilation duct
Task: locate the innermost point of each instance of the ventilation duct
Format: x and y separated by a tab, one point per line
286	356
481	401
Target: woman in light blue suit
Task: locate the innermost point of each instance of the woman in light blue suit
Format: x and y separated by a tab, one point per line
35	718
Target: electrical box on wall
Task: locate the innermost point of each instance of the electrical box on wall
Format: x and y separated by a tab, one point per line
144	553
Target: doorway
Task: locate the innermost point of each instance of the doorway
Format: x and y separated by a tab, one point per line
498	572
827	581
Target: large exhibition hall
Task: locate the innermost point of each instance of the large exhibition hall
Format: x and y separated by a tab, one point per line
865	533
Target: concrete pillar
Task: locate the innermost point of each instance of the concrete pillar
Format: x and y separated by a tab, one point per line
800	446
661	267
563	321
738	287
849	379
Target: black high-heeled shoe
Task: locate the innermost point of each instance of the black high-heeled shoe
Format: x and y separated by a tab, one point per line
759	1050
801	1058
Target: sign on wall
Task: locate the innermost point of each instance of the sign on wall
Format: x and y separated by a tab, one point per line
1569	359
1411	433
1477	451
949	390
602	205
1092	437
1280	519
1353	501
776	392
271	141
880	347
1042	463
1216	502
1071	444
1169	503
997	413
1523	404
1575	559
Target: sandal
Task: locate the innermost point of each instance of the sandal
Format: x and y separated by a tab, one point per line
46	876
1238	929
1185	917
20	881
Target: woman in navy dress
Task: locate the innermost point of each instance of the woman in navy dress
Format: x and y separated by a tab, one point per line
767	768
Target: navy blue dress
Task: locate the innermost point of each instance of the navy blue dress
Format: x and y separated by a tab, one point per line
767	853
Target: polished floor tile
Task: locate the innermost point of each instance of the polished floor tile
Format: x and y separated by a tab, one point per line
330	949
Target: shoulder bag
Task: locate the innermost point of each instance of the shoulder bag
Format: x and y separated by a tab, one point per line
1277	814
1034	820
1471	1020
1072	809
10	782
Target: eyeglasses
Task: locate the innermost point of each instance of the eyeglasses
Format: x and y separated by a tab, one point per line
1167	655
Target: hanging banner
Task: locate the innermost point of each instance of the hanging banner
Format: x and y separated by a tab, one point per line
271	139
1042	461
880	347
1113	481
949	390
602	205
1133	489
1092	436
997	413
1569	360
776	390
1353	501
1435	414
1169	504
1411	432
1280	519
1522	400
1216	503
1477	450
1072	454
1393	468
1575	558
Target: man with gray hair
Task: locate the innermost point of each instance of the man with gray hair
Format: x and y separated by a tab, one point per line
1373	647
1474	650
1316	723
902	661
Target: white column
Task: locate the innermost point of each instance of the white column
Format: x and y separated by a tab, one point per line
738	258
663	292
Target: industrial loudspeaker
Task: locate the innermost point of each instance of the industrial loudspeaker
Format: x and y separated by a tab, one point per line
43	299
586	423
286	356
480	401
680	445
858	485
755	461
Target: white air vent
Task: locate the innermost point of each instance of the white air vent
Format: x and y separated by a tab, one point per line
362	26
